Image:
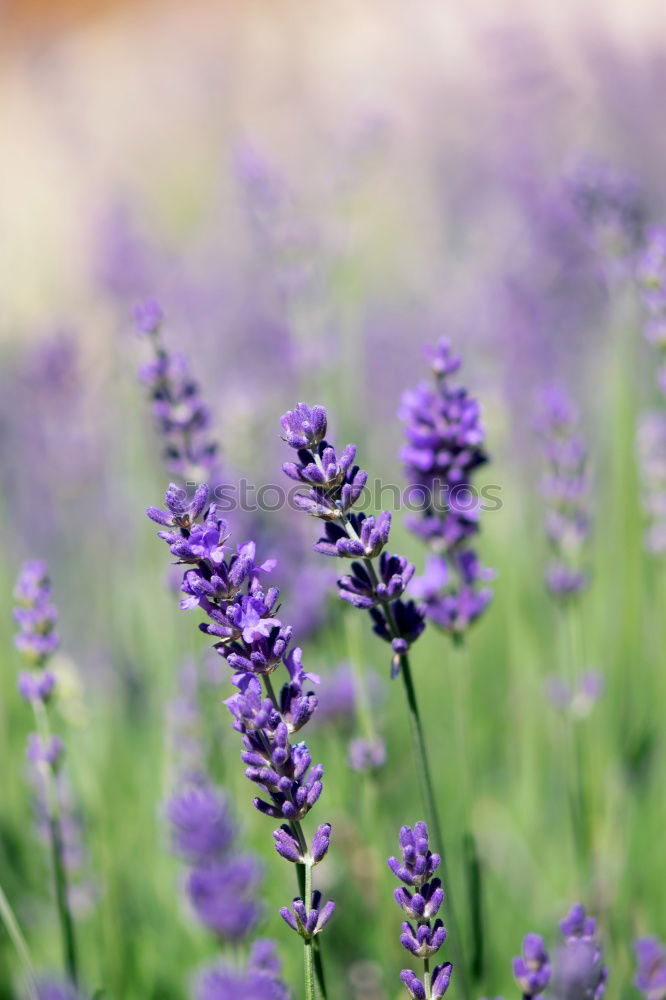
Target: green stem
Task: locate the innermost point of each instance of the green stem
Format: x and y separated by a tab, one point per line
426	978
16	937
55	837
307	942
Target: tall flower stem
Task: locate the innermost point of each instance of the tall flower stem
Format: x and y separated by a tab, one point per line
56	843
426	978
20	945
423	762
307	942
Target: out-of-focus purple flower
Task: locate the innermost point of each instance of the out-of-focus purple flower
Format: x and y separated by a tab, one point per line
427	934
259	981
578	972
581	701
54	989
50	753
35	686
201	823
652	469
564	489
611	206
338	695
182	417
650	976
445	446
223	896
366	755
36	615
532	969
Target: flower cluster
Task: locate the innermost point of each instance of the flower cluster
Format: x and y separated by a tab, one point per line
36	617
221	881
651	277
531	969
445	446
564	490
332	486
423	933
611	206
651	442
182	417
578	969
254	642
259	981
651	968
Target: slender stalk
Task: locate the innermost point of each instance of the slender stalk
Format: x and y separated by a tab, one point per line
426	978
423	762
307	942
56	842
16	937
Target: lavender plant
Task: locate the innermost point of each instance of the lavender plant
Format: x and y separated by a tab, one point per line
445	446
222	880
332	486
254	642
182	417
259	981
425	936
650	976
37	640
564	490
576	971
531	969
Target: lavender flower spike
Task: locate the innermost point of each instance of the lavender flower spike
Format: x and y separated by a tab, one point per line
445	446
37	641
578	968
651	968
242	617
425	936
531	970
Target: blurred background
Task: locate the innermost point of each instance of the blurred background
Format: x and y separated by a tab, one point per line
313	192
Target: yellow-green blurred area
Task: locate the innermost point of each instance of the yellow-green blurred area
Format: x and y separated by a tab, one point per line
414	156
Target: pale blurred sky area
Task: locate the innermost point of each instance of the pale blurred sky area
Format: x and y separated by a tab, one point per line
98	99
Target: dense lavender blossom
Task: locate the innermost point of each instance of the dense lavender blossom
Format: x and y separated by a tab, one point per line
36	617
651	968
182	417
532	968
651	277
222	882
578	972
259	981
579	700
445	446
423	934
612	208
332	486
564	490
254	642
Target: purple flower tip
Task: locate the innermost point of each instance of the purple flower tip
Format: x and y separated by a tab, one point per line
148	316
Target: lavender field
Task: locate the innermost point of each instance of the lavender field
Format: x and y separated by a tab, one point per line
333	450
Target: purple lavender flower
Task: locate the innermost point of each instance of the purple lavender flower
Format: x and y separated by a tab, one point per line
201	823
532	970
651	277
254	641
259	981
445	446
36	615
612	208
333	484
564	490
54	989
578	969
308	921
423	934
580	701
182	417
366	755
652	469
651	968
